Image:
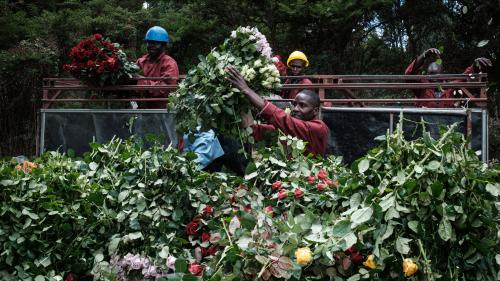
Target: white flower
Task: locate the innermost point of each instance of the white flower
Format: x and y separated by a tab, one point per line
171	262
215	237
233	34
257	63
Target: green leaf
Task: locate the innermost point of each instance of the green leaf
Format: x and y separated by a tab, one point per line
98	257
39	278
113	245
189	277
362	215
363	165
402	245
247	221
349	240
437	188
413	225
433	165
251	176
6	182
493	189
483	43
180	265
444	229
30	214
341	228
45	261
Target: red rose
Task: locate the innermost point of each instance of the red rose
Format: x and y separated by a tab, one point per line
310	179
70	277
191	228
247	208
205	237
269	209
322	174
277	185
321	186
204	252
355	256
298	193
212	251
333	183
98	36
282	194
208	210
195	269
100	69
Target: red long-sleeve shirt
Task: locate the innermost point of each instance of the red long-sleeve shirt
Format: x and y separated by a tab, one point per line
163	66
292	93
314	132
432	93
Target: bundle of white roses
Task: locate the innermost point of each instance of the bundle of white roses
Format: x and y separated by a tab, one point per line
207	99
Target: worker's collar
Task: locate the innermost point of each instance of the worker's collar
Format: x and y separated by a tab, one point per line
150	59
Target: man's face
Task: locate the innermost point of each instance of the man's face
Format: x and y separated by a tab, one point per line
434	68
297	67
155	48
303	108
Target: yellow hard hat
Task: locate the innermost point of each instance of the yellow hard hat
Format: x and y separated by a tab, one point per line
297	55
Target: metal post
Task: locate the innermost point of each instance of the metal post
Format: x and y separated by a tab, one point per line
468	127
42	134
391	123
484	136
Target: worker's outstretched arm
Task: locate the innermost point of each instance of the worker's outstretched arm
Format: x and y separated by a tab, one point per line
419	61
240	83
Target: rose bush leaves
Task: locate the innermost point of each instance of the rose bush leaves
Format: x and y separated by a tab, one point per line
77	214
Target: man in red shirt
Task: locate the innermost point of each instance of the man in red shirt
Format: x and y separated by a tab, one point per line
303	124
297	63
156	63
434	68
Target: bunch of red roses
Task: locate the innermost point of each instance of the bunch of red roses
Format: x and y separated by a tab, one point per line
206	242
321	180
97	61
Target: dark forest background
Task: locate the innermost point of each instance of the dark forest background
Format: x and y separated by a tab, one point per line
339	37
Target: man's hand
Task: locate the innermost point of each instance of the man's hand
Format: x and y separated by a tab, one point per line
431	51
237	80
482	64
240	83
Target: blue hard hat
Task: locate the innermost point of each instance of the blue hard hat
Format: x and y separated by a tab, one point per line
157	33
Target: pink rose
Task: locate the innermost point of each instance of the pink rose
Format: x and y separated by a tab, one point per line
195	269
298	193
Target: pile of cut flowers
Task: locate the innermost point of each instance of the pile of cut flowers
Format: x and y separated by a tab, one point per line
408	210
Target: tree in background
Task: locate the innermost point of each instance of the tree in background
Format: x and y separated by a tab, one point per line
339	37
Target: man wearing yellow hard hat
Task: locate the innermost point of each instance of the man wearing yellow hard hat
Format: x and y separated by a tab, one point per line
297	63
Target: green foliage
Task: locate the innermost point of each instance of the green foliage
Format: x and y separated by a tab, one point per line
429	200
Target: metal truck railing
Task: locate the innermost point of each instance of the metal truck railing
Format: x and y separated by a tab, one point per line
471	88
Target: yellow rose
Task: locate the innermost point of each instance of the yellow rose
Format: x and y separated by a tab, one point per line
370	263
409	267
303	255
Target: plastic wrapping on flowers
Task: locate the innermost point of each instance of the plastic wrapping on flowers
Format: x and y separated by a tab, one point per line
207	99
98	62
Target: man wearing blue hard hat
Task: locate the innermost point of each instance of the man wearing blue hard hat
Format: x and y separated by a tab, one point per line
156	63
